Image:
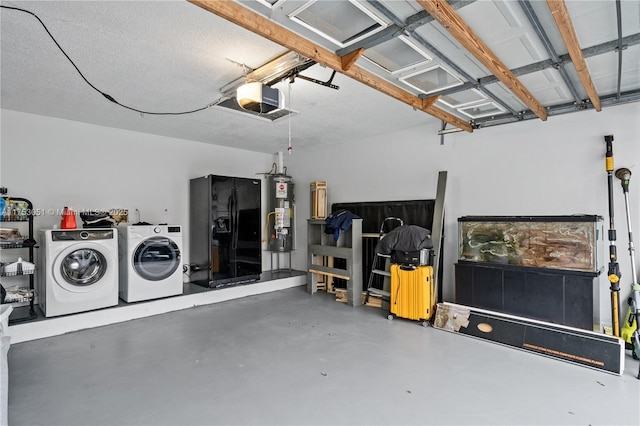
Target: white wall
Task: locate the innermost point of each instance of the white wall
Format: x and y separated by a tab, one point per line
56	163
555	167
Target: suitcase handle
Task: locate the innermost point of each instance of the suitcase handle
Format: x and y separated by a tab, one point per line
408	267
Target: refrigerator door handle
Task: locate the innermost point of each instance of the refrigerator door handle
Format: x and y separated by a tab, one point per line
234	215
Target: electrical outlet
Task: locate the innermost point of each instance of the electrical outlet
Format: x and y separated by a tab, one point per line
605	328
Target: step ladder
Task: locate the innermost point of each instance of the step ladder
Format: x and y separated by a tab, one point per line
381	263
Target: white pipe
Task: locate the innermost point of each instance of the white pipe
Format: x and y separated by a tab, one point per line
280	163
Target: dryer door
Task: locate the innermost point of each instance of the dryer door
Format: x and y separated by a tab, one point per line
156	258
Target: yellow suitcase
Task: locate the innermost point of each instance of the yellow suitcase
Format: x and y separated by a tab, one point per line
412	292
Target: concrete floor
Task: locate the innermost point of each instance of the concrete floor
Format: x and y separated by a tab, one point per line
288	358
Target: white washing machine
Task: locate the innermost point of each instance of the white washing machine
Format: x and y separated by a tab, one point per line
150	262
78	270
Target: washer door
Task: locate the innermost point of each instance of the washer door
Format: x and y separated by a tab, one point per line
81	268
156	258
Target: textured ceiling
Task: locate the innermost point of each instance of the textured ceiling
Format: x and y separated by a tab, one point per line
173	56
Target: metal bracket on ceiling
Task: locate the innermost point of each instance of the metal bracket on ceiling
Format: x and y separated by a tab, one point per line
270	73
444	131
580	106
316	81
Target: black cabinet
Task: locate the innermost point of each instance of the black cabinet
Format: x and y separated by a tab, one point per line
558	296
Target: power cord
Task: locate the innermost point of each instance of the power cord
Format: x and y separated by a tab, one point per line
106	95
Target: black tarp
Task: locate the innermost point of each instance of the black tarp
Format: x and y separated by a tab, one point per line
373	213
414	212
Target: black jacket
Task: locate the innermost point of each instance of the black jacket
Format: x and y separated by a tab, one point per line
405	238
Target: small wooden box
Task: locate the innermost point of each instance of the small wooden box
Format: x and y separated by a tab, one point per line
318	200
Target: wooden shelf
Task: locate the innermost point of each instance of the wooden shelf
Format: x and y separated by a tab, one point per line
347	247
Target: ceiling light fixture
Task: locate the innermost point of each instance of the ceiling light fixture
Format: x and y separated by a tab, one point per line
257	97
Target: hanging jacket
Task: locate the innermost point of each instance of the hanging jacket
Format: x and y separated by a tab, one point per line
339	221
405	238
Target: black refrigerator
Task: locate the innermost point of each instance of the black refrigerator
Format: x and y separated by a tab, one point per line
224	230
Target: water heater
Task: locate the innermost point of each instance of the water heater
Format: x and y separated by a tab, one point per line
281	213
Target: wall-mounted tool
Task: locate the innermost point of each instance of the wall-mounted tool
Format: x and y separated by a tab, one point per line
630	327
614	269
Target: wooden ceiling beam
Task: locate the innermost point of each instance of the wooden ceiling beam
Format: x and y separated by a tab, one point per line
460	30
262	26
428	102
560	14
350	58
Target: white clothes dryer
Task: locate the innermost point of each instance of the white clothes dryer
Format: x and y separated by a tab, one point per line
150	262
78	270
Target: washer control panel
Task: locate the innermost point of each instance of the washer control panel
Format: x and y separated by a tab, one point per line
81	235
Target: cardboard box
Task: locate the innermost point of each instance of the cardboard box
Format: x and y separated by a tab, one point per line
318	200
